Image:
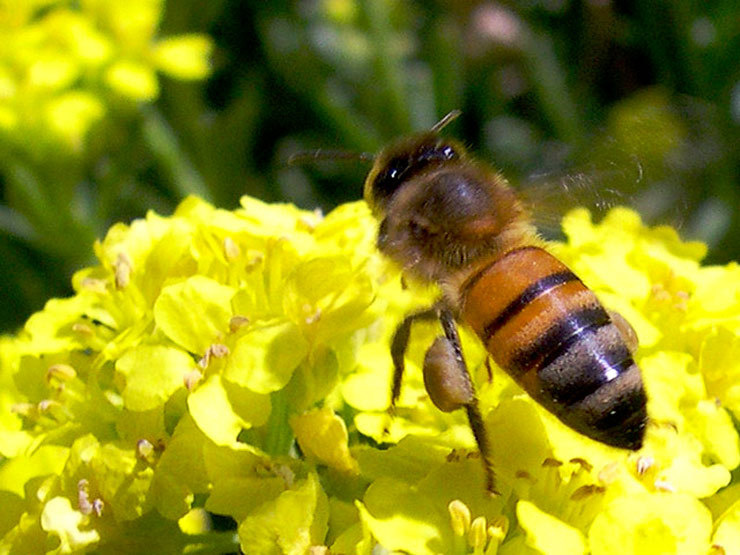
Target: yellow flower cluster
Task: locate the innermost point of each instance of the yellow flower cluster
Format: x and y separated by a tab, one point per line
62	63
237	363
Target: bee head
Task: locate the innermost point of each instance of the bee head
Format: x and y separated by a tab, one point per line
402	160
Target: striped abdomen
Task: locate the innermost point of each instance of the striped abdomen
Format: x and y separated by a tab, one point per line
553	336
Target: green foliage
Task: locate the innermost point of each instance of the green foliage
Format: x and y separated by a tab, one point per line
96	125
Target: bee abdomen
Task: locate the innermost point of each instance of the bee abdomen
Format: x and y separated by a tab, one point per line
551	334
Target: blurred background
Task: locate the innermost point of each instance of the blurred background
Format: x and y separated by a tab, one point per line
109	109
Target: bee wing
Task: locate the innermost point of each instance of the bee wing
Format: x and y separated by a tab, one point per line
595	186
664	157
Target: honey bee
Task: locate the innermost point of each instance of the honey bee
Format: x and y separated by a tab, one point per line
448	218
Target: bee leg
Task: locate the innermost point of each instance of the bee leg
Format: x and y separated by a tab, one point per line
488	369
625	330
471	406
400	342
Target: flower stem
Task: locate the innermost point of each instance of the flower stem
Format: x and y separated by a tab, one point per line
279	434
388	64
160	138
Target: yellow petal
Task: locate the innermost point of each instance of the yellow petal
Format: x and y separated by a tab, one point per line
184	56
646	524
133	80
548	534
323	435
727	530
71	116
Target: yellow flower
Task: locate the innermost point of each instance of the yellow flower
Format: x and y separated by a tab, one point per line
237	362
184	57
63	65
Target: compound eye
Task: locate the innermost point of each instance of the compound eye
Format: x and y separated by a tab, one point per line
448	153
396	168
408	163
437	153
388	181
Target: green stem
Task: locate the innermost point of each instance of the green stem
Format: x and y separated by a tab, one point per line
279	434
548	81
15	225
345	119
447	65
160	138
26	193
49	222
388	64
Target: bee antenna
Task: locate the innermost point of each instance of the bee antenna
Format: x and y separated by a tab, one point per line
445	121
323	154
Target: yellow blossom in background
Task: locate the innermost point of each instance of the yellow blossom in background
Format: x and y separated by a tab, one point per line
237	363
63	65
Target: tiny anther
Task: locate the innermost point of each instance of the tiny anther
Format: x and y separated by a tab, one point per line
122	270
644	464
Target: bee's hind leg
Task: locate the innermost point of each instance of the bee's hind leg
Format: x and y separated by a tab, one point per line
489	371
446	376
628	333
449	385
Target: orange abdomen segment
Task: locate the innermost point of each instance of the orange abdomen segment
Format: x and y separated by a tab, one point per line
553	336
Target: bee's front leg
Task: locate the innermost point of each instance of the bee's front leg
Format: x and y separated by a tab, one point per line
400	343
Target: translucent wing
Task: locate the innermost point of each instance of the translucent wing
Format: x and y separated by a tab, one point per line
597	185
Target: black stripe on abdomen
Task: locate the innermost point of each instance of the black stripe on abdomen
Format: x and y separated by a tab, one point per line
473	280
588	361
557	339
536	289
614	414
